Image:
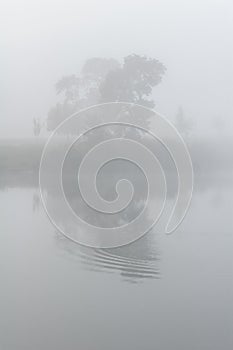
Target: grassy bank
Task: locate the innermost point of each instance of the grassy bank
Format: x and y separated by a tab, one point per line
208	155
20	155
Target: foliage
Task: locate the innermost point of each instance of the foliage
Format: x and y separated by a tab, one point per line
106	80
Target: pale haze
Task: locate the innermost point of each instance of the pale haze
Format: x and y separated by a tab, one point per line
94	177
43	41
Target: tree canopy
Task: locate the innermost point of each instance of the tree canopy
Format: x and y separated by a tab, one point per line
106	80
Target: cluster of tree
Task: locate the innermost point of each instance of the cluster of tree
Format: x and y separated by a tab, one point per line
106	80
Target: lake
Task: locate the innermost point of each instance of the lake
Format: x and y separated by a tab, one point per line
161	292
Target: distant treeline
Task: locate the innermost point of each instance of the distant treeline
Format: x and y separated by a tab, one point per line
20	161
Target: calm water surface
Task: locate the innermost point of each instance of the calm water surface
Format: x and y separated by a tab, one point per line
162	292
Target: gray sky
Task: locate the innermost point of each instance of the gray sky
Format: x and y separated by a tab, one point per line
44	40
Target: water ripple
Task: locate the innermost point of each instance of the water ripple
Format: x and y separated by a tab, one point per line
134	263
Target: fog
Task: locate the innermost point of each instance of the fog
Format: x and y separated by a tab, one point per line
87	258
43	41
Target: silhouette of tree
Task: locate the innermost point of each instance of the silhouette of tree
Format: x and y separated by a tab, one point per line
134	81
106	80
36	126
79	92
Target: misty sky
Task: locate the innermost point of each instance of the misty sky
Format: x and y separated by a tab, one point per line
44	40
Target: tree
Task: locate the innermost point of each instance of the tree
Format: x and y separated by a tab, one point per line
80	91
36	126
134	81
106	80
